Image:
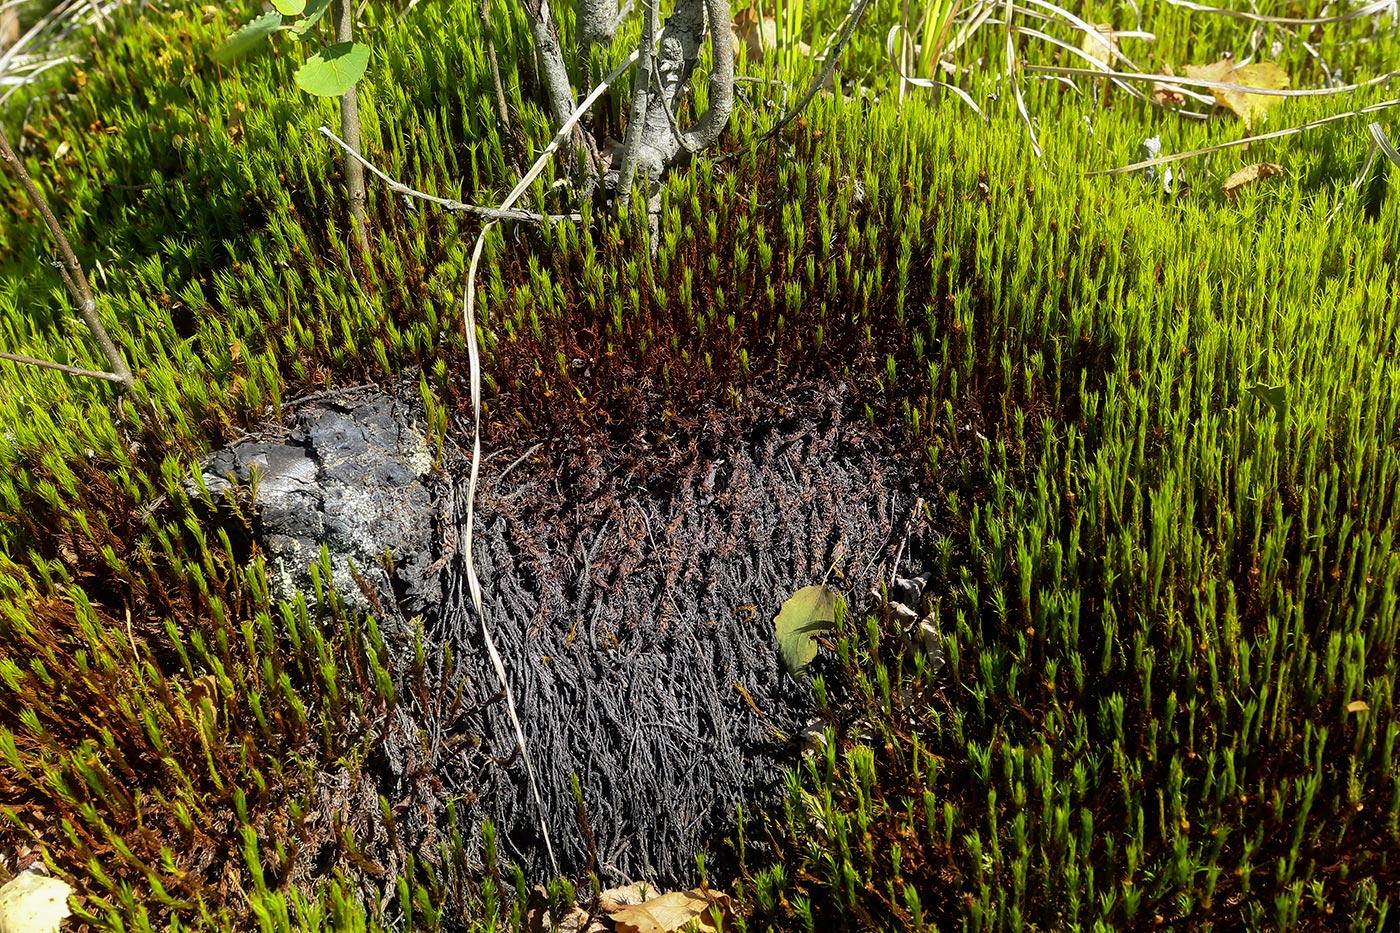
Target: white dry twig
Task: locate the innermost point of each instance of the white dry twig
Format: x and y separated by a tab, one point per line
474	359
399	187
1245	141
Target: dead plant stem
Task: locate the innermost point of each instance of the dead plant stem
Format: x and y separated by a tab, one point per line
73	277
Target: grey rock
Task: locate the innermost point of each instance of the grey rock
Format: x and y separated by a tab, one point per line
351	474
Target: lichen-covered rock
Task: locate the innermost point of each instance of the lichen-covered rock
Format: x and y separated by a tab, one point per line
351	474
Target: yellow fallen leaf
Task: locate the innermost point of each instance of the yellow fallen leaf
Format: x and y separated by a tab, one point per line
614	899
33	903
205	687
1248	175
758	36
1250	108
1357	706
671	912
1101	45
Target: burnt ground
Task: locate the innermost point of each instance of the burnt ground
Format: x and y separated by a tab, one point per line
632	602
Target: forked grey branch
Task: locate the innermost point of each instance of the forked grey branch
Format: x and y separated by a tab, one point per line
652	144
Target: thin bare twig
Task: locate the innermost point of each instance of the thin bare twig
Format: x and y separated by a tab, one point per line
73	276
350	126
1011	66
1247	140
852	20
1168	81
1370	9
502	110
62	367
398	187
641	101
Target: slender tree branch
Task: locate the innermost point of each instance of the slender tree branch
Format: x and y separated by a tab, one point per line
350	127
63	367
553	71
73	278
398	187
820	80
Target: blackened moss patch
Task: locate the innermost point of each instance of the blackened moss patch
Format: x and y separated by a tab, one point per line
634	611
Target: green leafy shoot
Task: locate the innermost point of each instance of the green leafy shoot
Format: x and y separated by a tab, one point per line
807	613
311	16
334	70
248	38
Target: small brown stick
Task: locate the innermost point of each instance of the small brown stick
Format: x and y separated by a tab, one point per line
63	368
502	111
73	277
1245	141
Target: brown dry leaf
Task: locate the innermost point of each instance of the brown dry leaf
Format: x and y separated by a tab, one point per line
1248	175
755	35
671	912
1093	44
1357	706
758	37
1163	95
204	687
1251	108
614	899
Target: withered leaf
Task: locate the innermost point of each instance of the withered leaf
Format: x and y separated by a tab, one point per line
1165	94
1248	175
205	687
1357	706
1250	108
1101	45
671	912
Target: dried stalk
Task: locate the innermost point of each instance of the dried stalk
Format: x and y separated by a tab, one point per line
73	279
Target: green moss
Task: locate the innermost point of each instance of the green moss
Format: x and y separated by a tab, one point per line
1165	595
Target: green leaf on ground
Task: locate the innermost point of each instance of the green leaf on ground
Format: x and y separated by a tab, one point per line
808	612
1275	396
334	70
248	38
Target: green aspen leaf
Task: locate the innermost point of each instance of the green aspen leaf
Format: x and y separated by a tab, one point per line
809	611
312	15
289	7
32	903
1275	396
334	70
248	38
